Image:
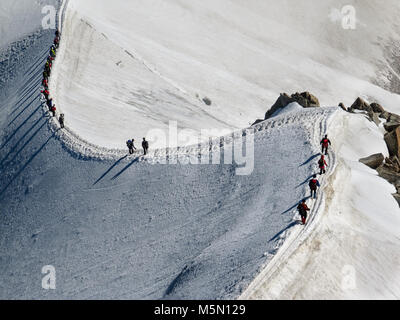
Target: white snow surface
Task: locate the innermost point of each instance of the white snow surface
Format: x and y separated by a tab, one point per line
117	226
354	251
19	18
125	69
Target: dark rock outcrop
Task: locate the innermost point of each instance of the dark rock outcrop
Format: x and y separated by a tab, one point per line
385	115
387	172
392	140
360	104
390	126
341	105
393	118
374	118
207	101
377	108
282	102
305	99
373	161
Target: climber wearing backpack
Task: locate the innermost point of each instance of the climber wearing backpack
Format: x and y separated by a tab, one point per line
303	209
49	103
314	185
45	84
53	110
322	165
56	42
325	142
45	93
52	52
61	120
129	144
145	145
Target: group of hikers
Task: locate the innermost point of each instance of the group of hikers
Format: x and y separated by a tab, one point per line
314	183
131	146
46	74
49	101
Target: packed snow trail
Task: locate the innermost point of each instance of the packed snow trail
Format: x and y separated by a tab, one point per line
299	234
129	229
354	249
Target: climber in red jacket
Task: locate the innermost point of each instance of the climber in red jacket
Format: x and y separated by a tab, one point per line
322	165
325	142
303	209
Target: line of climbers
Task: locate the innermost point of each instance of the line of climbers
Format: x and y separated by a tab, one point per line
314	183
46	74
49	101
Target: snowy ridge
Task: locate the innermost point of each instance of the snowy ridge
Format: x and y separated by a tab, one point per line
86	150
291	238
297	235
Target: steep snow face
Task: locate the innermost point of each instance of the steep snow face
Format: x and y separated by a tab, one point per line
129	228
354	253
125	68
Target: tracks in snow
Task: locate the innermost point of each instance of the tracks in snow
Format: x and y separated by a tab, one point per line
299	234
83	149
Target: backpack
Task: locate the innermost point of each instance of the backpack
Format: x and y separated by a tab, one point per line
302	210
313	184
321	163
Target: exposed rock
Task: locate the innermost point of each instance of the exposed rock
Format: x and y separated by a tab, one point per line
392	140
305	99
360	104
377	108
394	118
282	102
374	118
390	126
207	101
341	105
384	115
373	161
386	172
395	161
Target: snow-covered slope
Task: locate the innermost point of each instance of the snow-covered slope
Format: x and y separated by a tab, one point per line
128	227
354	251
125	69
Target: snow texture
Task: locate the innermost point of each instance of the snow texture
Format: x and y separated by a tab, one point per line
130	227
125	69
